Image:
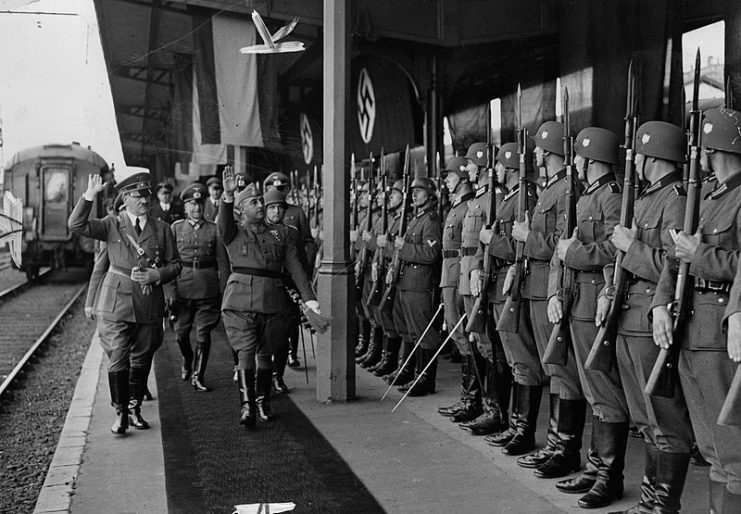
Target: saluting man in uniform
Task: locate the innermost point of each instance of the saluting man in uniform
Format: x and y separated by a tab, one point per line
130	304
562	453
165	209
255	300
664	422
468	407
520	348
705	370
195	294
587	251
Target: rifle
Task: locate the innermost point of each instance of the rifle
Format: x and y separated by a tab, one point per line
663	378
478	315
509	321
557	349
363	254
377	288
602	355
440	188
395	267
317	191
355	205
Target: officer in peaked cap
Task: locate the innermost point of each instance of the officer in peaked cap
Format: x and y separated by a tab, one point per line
520	347
211	207
194	297
294	217
242	181
586	252
255	300
130	305
165	209
567	406
705	370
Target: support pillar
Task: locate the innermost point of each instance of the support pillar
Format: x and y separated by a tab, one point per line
335	283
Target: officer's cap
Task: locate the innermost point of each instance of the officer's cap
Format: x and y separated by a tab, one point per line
662	140
477	153
251	191
550	137
214	181
136	182
398	186
424	183
458	166
597	144
164	185
274	196
276	179
196	192
721	130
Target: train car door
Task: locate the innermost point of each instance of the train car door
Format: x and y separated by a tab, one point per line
55	181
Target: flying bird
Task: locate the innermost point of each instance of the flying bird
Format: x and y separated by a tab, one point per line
271	45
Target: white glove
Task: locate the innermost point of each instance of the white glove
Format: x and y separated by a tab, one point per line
313	305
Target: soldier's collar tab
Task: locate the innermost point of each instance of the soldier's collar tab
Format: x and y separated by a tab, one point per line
555	178
604	179
669	178
732	183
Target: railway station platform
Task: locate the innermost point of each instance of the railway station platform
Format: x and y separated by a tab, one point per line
354	457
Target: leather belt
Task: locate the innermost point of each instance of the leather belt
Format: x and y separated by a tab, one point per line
447	254
196	264
468	251
257	272
703	286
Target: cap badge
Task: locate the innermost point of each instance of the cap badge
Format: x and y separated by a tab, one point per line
708	128
462	167
585	142
646	138
197	195
479	154
544	135
276	182
507	155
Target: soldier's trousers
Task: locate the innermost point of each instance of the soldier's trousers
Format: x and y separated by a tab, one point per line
453	305
254	335
665	422
129	344
603	390
521	350
418	307
204	312
706	377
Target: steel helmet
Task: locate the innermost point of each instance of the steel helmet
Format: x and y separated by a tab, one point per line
597	144
662	140
550	137
721	130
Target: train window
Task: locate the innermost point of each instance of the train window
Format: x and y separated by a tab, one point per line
55	207
56	185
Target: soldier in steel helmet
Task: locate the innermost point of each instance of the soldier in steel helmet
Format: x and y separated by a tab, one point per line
488	354
587	251
419	251
664	422
364	326
130	304
705	370
194	297
567	408
255	300
520	348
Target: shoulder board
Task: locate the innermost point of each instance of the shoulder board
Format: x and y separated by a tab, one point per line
615	187
177	222
680	190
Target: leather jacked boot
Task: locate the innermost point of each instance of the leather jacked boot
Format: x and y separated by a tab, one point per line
473	407
363	338
611	440
187	353
528	405
263	384
506	436
671	471
199	366
384	362
247	397
392	356
586	480
466	384
492	420
373	355
426	384
404	374
279	385
541	456
118	384
566	458
137	383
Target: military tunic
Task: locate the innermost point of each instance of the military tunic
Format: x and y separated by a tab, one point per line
597	213
211	209
196	290
520	348
449	280
169	216
416	286
705	371
663	421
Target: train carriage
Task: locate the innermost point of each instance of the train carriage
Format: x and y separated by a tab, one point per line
49	180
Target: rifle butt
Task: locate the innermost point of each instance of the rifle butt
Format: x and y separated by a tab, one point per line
730	413
509	321
602	354
663	379
557	351
477	318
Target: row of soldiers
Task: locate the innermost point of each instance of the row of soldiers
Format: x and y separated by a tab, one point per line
469	255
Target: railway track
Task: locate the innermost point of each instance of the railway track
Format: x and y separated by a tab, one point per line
4	261
29	313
